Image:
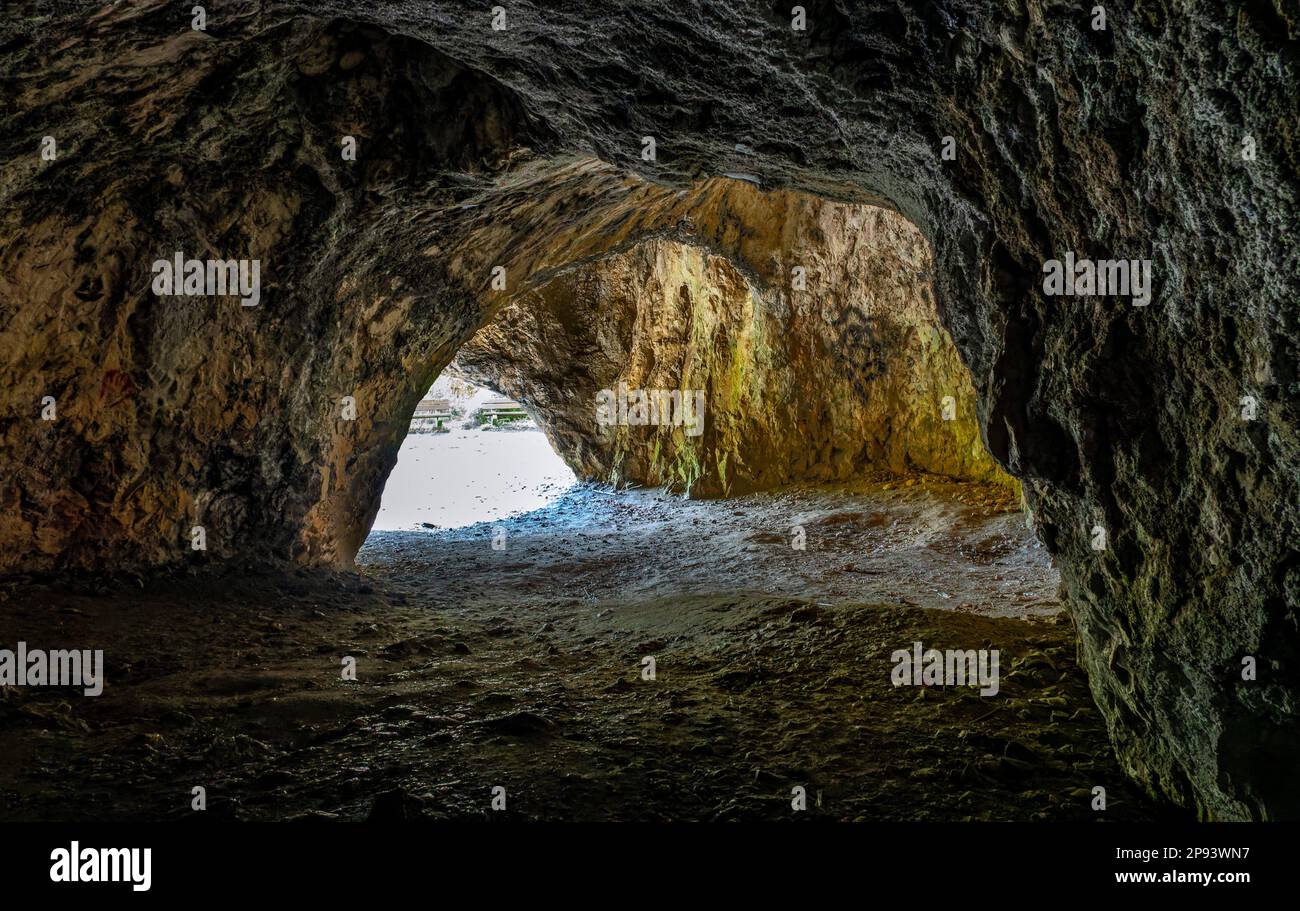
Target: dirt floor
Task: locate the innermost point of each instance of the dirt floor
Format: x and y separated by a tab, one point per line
523	668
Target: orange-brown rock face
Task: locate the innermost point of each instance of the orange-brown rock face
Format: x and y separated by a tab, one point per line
131	418
832	363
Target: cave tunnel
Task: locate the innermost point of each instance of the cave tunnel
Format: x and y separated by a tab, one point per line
928	371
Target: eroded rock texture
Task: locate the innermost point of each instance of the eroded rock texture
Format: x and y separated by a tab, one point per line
474	150
825	374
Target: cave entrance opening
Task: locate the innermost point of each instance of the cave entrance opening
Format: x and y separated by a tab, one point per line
470	456
781	489
801	391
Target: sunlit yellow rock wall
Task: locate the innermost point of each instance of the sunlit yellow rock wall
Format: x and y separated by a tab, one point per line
840	371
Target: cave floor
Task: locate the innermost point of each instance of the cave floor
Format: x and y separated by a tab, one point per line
522	668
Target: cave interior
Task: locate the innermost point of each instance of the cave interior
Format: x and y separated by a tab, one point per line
936	325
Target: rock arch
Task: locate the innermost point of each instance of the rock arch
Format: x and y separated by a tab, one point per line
816	356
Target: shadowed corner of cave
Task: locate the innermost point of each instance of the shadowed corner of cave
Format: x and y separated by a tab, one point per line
594	451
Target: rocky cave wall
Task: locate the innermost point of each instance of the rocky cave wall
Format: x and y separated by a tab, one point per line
475	149
840	368
169	412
